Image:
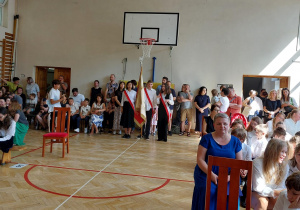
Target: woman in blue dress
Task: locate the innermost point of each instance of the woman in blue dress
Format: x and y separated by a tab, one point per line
218	143
202	103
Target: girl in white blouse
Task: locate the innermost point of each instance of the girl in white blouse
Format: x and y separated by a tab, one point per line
7	130
269	175
127	109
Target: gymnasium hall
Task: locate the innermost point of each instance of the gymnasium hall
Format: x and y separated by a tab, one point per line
241	44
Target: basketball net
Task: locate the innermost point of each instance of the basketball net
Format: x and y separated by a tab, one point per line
146	44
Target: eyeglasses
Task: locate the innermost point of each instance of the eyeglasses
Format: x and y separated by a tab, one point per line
217	110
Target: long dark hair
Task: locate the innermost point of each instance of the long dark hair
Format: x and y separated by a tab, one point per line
119	88
283	97
7	120
201	89
167	89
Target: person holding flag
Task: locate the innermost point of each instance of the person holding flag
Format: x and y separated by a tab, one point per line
164	99
150	104
127	109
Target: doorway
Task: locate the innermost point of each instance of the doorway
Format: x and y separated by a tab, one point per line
44	76
257	82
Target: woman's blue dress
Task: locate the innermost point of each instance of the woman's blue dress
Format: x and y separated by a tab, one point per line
213	148
202	101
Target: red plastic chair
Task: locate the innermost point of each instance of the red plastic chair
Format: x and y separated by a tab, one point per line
239	116
58	134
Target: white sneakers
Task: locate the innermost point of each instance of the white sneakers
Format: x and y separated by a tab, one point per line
77	130
85	130
114	132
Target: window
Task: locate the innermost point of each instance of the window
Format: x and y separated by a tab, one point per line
2	4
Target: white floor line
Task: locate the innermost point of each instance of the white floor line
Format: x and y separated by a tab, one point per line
96	174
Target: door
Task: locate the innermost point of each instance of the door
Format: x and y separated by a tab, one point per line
284	82
66	73
41	80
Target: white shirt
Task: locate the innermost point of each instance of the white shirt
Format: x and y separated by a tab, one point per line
132	96
78	99
282	202
152	97
291	126
250	135
258	147
225	104
85	109
256	105
259	184
170	102
74	108
270	127
54	95
247	154
10	132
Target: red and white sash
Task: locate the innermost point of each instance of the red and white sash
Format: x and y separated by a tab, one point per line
149	101
165	105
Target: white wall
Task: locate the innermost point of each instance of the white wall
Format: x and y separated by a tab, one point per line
218	42
10	19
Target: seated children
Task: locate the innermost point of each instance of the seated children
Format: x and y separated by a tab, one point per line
84	113
259	141
30	105
290	199
2	102
98	108
110	114
8	102
74	114
42	116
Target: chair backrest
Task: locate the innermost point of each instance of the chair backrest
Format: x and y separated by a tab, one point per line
235	166
62	115
239	116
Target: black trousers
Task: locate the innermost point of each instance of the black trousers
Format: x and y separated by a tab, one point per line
146	129
162	123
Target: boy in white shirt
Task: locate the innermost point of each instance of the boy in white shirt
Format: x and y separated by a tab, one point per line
74	114
259	141
84	114
290	199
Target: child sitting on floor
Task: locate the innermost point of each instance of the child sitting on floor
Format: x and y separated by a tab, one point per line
42	116
30	106
290	199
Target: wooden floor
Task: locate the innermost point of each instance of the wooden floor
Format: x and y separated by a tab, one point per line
101	172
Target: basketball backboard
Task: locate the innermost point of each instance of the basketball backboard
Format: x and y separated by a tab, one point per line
163	27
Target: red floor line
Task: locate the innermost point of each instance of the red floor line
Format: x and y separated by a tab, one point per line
108	172
109	197
38	148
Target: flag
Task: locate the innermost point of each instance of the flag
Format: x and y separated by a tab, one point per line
140	110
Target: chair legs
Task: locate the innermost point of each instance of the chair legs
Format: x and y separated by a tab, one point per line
6	158
65	142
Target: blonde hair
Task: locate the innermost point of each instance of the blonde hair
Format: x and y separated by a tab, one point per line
262	128
270	161
293	160
269	96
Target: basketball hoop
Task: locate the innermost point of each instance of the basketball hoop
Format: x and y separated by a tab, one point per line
147	44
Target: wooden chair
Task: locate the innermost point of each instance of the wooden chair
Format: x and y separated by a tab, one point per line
233	197
58	134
